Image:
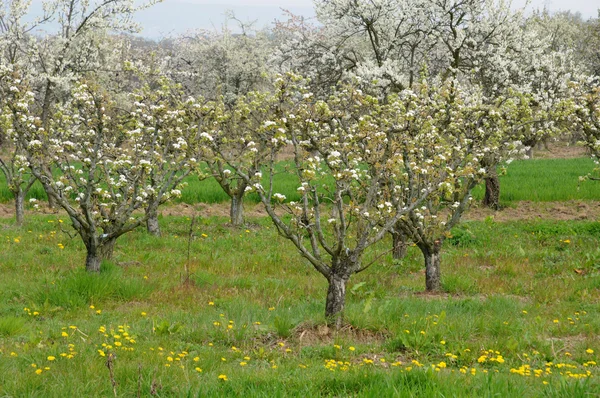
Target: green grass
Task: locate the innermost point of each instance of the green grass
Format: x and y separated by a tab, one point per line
544	180
528	290
538	180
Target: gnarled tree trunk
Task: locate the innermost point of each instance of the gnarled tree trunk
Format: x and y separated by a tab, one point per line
19	207
152	220
236	211
51	199
98	252
399	244
492	189
336	300
431	254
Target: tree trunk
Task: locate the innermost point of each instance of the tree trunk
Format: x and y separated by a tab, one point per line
20	207
399	245
95	255
529	153
492	189
51	200
236	212
432	267
336	300
152	221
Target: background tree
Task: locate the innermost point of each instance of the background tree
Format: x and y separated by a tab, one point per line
458	130
15	121
583	109
224	63
161	108
349	170
106	166
53	62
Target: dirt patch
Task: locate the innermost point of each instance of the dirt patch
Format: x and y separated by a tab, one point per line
572	210
6	211
309	335
560	150
210	210
564	211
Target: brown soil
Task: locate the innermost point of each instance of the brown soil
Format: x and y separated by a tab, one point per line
525	210
6	211
560	150
321	334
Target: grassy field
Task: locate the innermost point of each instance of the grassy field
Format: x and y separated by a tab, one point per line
538	180
240	313
519	316
535	180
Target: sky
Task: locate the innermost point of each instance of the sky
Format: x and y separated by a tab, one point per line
172	17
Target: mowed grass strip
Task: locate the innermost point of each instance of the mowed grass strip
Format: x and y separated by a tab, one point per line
537	180
519	315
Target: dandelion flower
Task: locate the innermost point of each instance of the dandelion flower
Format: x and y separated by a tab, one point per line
589	351
223	377
51	358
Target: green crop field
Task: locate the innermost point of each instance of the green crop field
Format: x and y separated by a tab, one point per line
535	180
237	312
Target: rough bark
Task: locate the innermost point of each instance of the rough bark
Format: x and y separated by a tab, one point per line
236	211
431	255
152	221
52	204
336	300
529	153
95	255
492	190
20	207
399	245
